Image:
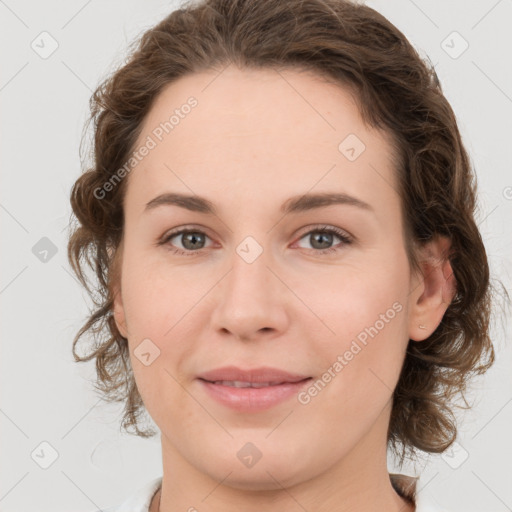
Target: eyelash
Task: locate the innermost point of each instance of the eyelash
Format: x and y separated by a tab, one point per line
346	239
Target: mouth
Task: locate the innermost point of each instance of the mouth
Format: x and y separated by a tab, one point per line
235	376
245	384
252	397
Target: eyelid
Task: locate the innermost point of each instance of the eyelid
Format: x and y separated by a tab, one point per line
342	234
182	230
326	227
305	231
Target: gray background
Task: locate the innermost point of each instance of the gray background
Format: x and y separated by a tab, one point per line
47	398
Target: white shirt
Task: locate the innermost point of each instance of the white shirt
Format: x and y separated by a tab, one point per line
141	499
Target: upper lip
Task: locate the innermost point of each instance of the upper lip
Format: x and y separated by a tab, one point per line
262	374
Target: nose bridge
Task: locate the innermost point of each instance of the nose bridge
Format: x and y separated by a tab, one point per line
250	279
251	255
250	297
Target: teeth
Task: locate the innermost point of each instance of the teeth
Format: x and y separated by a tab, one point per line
241	384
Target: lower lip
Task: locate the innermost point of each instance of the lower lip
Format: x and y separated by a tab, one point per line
253	399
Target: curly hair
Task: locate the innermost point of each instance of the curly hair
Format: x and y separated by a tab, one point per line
348	44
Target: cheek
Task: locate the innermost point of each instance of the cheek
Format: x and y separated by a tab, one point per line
359	363
156	296
363	319
155	304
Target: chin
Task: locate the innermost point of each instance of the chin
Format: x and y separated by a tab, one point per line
247	480
269	473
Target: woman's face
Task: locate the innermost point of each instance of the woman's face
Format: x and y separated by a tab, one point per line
258	285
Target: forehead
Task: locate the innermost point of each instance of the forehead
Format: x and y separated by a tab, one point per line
258	131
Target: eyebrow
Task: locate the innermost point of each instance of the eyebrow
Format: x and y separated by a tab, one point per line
294	204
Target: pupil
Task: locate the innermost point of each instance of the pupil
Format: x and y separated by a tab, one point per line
193	239
320	235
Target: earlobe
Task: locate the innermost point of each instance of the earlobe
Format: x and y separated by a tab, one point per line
118	308
119	314
434	293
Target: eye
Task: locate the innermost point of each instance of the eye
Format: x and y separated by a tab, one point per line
192	241
322	236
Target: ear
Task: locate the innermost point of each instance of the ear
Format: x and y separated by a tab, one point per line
433	290
118	307
119	313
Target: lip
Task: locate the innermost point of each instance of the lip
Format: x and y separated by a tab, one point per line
252	399
261	374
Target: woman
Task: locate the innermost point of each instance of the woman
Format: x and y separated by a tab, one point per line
281	219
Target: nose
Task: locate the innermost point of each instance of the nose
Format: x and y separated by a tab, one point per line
251	301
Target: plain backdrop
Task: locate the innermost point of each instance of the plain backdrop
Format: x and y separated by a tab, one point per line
61	447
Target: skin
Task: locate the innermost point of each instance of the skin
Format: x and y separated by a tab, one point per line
255	139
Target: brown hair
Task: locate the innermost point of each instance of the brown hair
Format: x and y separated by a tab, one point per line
356	47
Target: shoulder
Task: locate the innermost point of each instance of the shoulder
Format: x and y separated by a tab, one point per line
412	489
425	502
139	501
